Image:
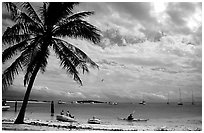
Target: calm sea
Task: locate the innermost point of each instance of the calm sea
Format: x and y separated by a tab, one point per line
109	113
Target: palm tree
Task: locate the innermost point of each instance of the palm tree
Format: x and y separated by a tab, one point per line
34	33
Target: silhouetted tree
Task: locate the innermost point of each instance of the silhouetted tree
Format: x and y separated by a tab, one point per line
34	33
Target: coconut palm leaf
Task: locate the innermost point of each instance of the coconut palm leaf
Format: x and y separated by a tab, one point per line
11	39
58	10
13	9
31	12
79	15
82	57
66	63
13	70
15	34
11	51
78	29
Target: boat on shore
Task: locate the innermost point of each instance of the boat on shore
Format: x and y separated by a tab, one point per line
5	107
65	118
94	121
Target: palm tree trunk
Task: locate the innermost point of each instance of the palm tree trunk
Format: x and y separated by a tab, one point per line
21	115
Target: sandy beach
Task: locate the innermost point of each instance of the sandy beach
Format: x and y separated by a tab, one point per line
165	125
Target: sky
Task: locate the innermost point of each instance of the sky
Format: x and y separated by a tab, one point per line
147	50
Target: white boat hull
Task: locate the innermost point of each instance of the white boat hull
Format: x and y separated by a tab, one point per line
5	108
94	121
65	118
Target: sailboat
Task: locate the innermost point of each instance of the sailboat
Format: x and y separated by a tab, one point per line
143	101
180	101
192	98
168	99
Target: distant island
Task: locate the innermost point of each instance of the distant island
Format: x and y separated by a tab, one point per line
89	101
93	102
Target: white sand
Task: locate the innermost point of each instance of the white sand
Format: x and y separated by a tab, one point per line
191	124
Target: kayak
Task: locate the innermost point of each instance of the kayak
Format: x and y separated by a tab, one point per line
94	121
5	108
65	118
134	120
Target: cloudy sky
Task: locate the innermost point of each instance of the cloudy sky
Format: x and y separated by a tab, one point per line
147	49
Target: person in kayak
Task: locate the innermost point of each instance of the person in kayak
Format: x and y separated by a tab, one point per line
130	117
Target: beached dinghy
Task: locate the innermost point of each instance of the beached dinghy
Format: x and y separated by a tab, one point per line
5	108
134	120
65	118
94	121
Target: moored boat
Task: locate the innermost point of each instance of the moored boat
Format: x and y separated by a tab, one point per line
61	102
94	121
142	102
65	118
5	107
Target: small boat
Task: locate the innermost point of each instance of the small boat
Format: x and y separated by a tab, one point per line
61	102
168	99
142	102
94	121
65	118
134	120
5	107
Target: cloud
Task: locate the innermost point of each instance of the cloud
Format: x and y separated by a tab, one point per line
134	56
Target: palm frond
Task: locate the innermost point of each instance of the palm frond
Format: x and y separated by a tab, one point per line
31	25
21	30
66	62
13	70
75	52
78	29
11	38
72	17
31	12
58	10
13	9
11	51
17	29
80	15
43	12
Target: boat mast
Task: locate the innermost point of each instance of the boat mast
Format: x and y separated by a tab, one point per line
180	95
168	98
192	98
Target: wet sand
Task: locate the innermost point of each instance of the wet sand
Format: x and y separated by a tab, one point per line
162	125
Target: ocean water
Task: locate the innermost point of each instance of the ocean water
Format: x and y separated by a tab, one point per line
155	112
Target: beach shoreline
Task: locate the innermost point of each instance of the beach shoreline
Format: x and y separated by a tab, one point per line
39	125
